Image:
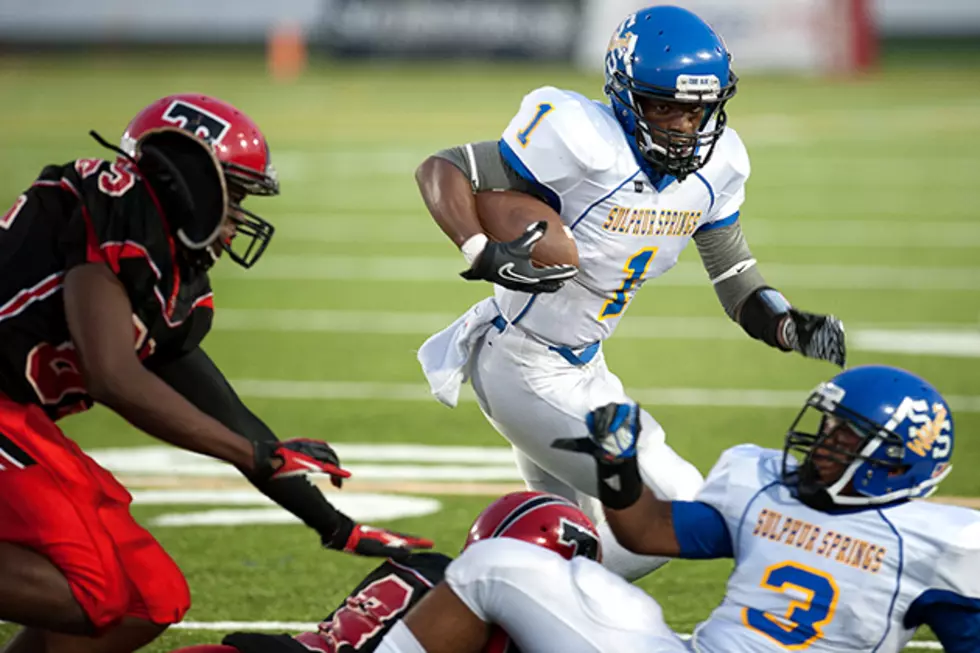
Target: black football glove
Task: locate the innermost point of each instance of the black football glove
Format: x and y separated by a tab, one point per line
509	265
374	542
815	336
299	456
614	430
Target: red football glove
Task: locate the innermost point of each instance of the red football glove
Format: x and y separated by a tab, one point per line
381	543
298	456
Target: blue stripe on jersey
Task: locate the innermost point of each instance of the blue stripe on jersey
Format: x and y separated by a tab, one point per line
514	161
701	531
711	191
898	582
745	512
604	198
718	224
523	312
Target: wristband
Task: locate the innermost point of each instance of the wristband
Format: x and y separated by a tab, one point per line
473	247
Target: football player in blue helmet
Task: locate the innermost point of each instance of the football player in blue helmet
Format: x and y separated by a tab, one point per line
882	435
668	77
884	438
634	179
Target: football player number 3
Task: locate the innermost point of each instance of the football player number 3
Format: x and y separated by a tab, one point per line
812	596
524	135
636	267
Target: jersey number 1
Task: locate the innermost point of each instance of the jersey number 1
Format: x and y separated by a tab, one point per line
543	109
635	268
802	624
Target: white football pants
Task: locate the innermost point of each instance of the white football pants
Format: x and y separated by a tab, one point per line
533	396
546	603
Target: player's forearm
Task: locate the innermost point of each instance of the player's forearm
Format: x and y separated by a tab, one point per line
730	265
646	527
149	404
200	381
449	197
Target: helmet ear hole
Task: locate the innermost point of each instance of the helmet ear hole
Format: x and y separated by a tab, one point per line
237	142
188	181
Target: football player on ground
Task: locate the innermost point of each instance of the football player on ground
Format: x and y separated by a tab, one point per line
105	297
634	181
360	622
832	551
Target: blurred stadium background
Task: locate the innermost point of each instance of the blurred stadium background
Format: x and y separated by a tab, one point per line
861	120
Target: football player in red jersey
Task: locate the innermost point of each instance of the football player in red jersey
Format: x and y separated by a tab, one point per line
105	297
361	621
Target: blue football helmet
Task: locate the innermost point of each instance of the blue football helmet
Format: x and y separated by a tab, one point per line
883	435
668	53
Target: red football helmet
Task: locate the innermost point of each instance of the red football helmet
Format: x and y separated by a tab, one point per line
547	520
242	150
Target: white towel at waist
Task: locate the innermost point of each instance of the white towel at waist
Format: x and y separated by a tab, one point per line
444	355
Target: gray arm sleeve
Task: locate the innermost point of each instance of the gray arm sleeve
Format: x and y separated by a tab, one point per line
730	266
485	168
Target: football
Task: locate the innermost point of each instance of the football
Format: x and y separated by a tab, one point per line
504	215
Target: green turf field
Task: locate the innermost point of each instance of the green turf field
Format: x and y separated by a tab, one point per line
862	202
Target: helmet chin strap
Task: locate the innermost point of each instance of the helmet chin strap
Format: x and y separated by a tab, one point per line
834	491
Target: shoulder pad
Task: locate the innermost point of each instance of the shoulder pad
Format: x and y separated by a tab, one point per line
737	456
729	165
559	135
959	567
746	466
726	174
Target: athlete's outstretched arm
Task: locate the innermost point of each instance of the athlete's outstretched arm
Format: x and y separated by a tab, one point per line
642	522
645	527
100	320
198	379
759	309
674	529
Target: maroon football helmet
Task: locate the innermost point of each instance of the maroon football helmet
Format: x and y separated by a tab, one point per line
243	152
548	520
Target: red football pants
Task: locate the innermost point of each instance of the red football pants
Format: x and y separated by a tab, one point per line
57	501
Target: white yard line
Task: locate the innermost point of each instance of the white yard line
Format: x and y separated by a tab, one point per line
715	398
302	626
684	274
955	340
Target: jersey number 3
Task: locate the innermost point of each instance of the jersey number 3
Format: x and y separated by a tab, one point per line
803	621
635	268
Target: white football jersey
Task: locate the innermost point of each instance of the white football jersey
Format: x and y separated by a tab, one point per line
808	580
626	229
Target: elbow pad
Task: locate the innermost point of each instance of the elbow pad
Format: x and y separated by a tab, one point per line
761	314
